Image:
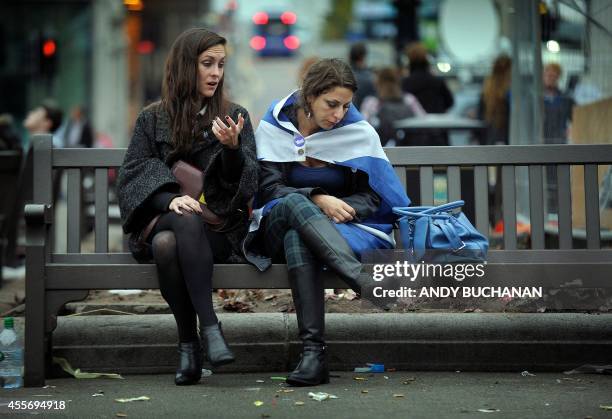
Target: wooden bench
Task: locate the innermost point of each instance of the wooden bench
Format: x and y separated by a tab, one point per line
12	171
56	278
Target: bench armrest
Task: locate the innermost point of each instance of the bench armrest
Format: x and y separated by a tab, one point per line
38	214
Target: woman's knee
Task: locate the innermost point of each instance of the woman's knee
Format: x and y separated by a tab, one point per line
294	200
296	207
164	246
189	222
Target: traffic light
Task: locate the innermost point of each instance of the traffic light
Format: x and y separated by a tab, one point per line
47	55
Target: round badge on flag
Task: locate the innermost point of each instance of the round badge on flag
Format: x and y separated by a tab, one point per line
299	141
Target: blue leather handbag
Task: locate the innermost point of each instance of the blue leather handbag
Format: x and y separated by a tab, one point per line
436	234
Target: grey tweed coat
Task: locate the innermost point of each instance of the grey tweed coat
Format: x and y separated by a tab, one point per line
146	170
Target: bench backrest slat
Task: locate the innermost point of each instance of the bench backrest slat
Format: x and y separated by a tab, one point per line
400	172
453	174
101	210
536	205
74	210
481	196
564	191
509	206
591	205
427	185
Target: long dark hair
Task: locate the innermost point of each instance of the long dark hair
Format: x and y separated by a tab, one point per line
324	75
180	96
495	91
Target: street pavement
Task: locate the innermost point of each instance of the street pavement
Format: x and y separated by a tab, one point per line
387	395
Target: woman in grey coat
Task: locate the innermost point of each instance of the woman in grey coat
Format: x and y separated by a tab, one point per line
194	123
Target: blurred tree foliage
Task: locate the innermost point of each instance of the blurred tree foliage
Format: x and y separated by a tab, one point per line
338	20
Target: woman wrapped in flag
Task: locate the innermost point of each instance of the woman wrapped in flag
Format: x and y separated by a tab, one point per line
325	196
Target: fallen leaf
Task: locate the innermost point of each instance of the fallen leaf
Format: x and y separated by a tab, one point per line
299	403
360	379
121	415
258	403
489	410
364	391
398	395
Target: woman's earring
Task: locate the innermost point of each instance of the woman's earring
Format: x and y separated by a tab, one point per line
308	115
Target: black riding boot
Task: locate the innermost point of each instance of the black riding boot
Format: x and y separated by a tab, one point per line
331	247
217	351
190	364
309	300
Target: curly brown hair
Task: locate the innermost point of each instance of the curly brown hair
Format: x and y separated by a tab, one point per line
180	96
324	75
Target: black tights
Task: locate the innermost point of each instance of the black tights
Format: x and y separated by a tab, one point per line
184	249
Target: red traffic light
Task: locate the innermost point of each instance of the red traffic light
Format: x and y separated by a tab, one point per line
49	47
292	42
258	43
288	18
260	18
145	47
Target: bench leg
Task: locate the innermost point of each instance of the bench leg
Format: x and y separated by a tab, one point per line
35	317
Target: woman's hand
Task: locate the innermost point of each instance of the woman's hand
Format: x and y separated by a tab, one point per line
336	209
228	135
186	203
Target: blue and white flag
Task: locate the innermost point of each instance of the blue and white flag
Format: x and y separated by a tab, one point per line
353	143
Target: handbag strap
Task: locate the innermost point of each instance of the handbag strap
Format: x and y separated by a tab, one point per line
420	233
404	226
422	211
421	228
448	228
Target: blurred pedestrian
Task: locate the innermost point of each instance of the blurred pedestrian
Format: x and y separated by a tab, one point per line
494	109
557	118
78	131
196	124
45	119
557	106
364	76
431	91
389	106
494	105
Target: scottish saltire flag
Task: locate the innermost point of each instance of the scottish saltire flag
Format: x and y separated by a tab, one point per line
352	143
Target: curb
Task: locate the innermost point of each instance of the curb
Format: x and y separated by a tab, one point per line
407	341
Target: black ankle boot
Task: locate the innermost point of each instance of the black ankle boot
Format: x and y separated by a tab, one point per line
190	364
217	351
309	300
312	369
